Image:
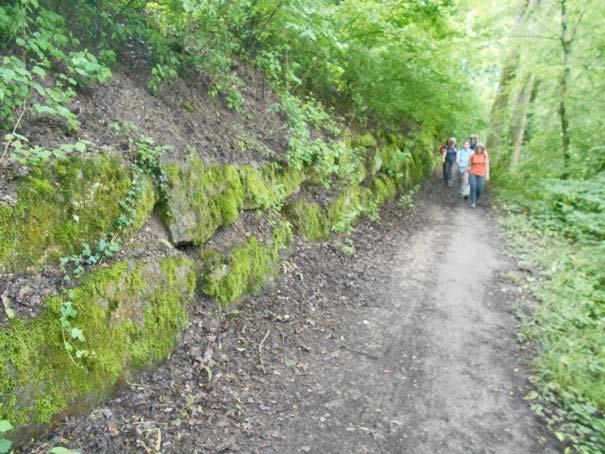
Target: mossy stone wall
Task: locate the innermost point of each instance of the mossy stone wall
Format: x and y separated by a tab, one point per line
199	199
389	169
59	206
245	267
203	197
308	219
130	314
132	311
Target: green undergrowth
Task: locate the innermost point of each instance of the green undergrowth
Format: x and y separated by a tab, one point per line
568	327
246	267
63	204
130	312
389	168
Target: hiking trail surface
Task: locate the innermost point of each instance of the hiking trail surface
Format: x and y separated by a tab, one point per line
407	345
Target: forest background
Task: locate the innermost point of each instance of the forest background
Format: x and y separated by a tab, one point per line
528	75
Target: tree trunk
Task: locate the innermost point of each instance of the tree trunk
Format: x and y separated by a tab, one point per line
497	116
524	104
566	45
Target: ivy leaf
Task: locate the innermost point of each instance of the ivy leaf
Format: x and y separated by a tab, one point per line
39	71
40	89
80	146
5	446
77	333
67	310
8	74
62	450
40	109
5	426
531	395
9	312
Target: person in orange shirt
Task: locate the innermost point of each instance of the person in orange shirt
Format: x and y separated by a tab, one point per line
478	172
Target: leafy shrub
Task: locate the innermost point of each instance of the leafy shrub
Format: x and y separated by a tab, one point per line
30	82
166	74
87	69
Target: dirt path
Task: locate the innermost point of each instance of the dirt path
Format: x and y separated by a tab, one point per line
409	345
437	373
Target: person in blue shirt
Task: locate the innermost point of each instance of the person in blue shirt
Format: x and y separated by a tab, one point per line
449	159
473	141
463	155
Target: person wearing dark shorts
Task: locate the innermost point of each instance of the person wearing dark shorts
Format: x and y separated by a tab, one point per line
449	159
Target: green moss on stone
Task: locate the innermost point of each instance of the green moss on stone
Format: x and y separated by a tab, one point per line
246	267
283	181
373	161
201	198
366	140
351	165
130	314
346	206
388	155
257	193
146	203
72	201
383	189
308	219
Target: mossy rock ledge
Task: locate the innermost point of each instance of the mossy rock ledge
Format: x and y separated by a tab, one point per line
64	204
245	267
308	219
131	315
202	197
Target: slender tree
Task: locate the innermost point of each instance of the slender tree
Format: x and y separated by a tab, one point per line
518	133
566	43
497	117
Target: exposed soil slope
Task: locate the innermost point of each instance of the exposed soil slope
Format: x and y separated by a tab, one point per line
408	345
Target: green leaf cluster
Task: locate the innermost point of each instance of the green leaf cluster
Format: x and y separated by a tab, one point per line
5	445
40	69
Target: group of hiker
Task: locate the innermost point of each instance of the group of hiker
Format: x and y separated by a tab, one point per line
468	165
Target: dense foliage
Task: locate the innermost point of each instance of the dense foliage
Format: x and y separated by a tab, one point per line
395	64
